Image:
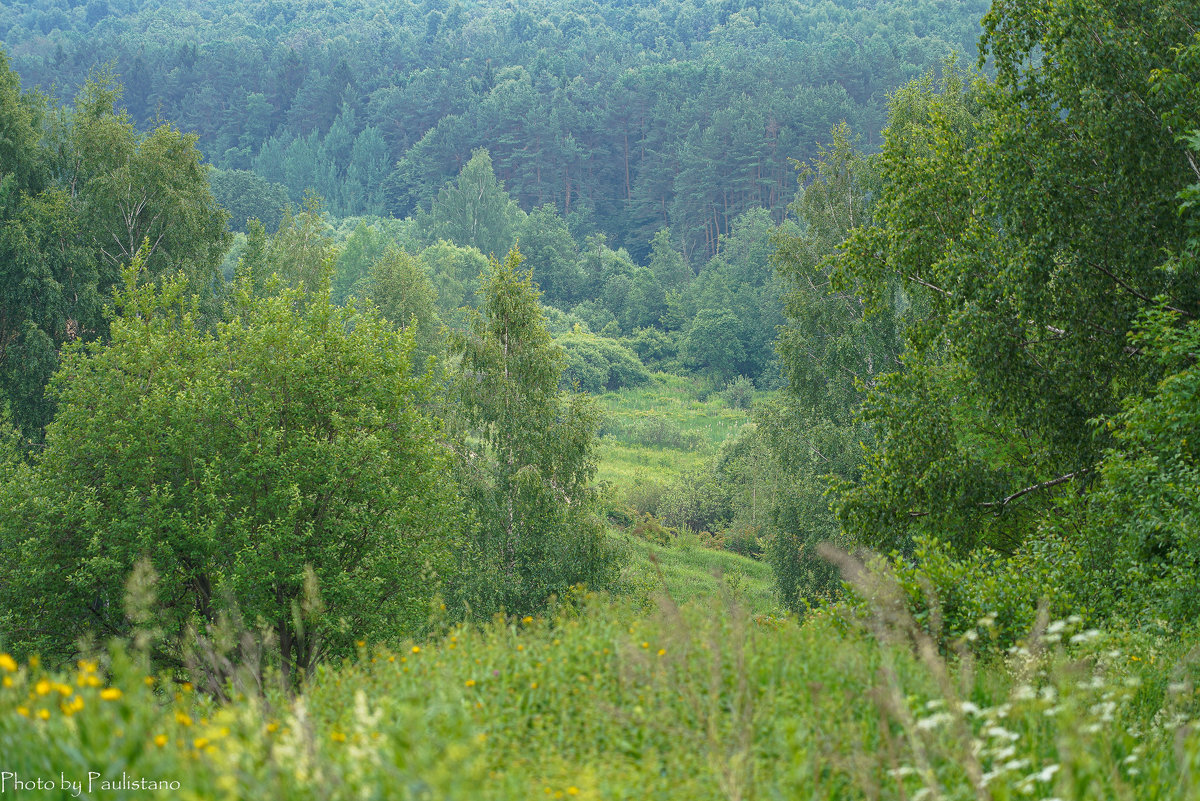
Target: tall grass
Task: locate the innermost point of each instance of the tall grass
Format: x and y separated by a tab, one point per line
600	701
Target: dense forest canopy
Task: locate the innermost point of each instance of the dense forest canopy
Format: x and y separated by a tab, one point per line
633	116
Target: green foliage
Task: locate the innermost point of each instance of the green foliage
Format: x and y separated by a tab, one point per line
1144	521
553	256
399	285
247	195
455	272
598	365
536	531
285	443
713	345
80	192
474	211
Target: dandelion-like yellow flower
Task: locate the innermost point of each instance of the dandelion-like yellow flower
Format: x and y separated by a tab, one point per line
63	689
8	682
416	649
23	711
110	693
87	666
337	737
161	740
8	663
34	661
361	643
520	647
183	719
42	687
391	658
527	620
148	681
92	680
187	686
272	727
662	651
470	682
572	791
645	645
533	685
44	714
199	743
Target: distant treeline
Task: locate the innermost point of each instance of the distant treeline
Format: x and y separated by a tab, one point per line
633	116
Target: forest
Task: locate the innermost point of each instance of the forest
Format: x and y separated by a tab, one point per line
707	399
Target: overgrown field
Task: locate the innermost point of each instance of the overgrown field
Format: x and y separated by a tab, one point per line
601	701
659	431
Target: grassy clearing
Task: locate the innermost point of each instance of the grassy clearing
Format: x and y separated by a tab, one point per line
675	401
602	702
686	571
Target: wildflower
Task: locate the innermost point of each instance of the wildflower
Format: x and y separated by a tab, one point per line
42	687
183	719
572	791
87	666
361	643
44	714
520	647
148	681
645	645
8	682
533	685
337	737
8	663
161	740
110	693
416	649
199	743
470	682
272	727
23	711
662	651
187	686
527	620
63	690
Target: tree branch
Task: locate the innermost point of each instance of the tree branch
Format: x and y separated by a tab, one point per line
1044	485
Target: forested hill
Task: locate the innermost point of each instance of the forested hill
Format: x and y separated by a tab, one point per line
631	115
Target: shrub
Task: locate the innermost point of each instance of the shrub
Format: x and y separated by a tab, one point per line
235	461
599	365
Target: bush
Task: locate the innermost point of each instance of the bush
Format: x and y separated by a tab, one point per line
599	365
238	461
738	393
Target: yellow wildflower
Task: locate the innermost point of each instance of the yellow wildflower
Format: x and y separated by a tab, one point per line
8	682
572	791
23	711
416	649
337	737
110	693
44	714
662	651
470	682
8	663
272	727
149	681
183	719
161	740
42	687
199	743
527	620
